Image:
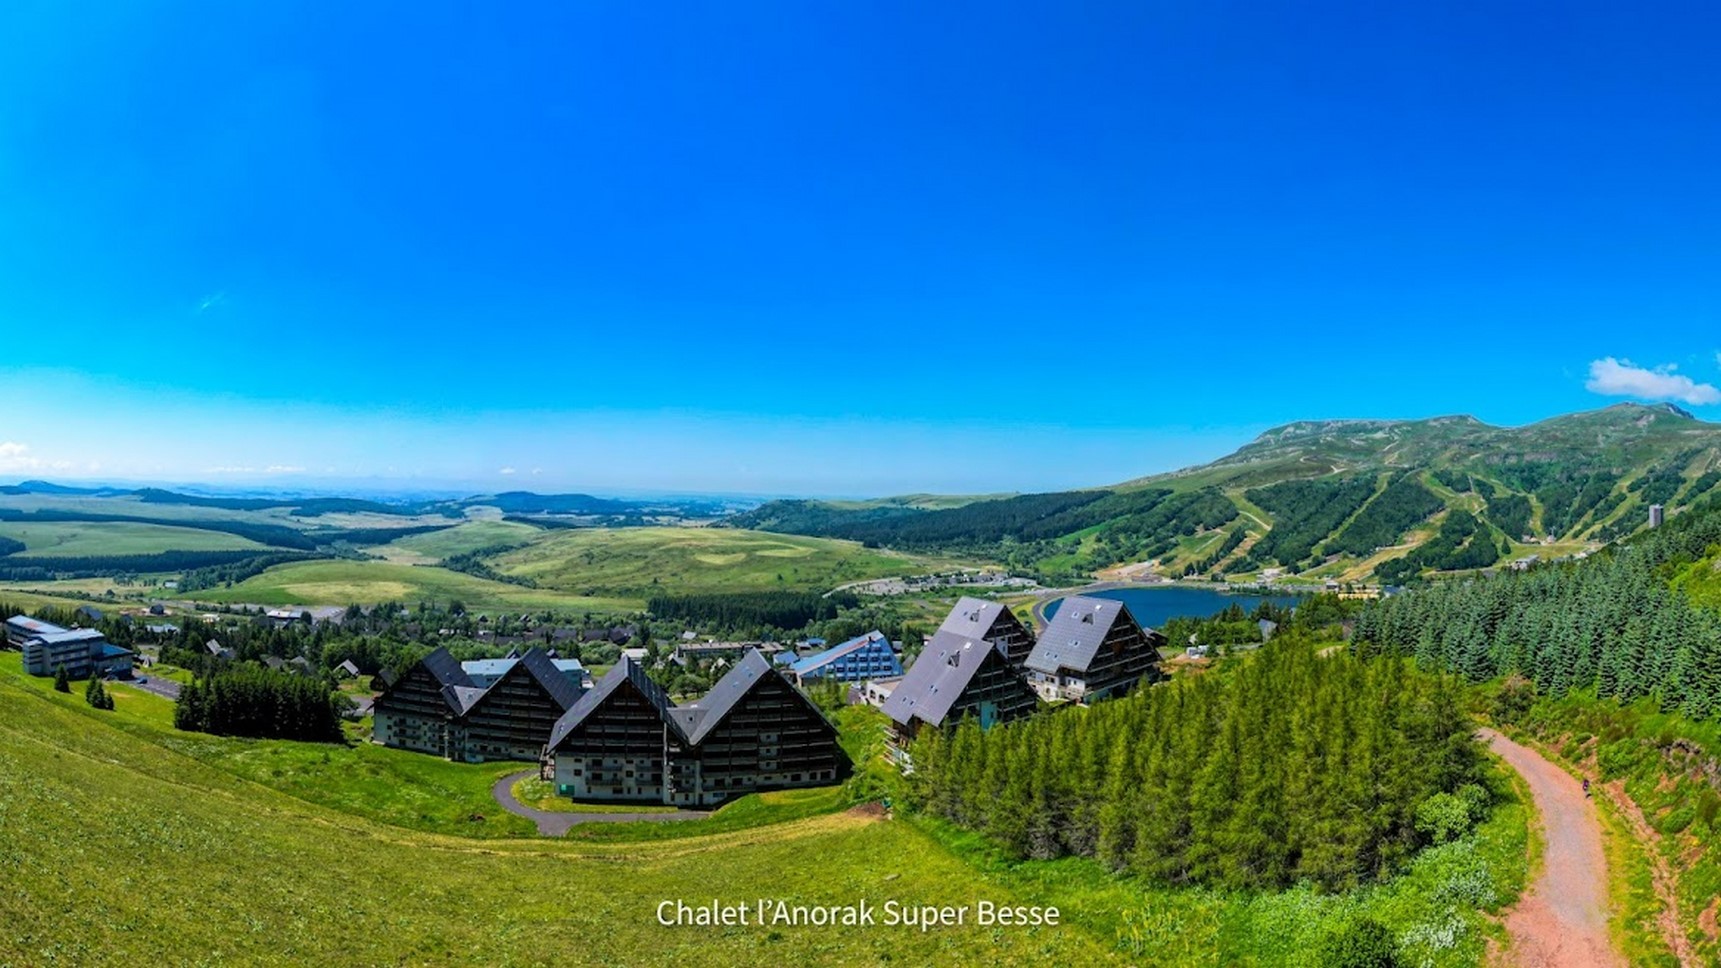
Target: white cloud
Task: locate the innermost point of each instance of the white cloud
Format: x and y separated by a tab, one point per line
283	469
1622	378
17	457
506	471
536	471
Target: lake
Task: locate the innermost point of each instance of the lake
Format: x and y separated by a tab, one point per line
1153	605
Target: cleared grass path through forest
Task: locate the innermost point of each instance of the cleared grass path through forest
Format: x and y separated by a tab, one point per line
1561	922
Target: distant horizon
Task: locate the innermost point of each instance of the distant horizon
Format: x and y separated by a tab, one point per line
291	485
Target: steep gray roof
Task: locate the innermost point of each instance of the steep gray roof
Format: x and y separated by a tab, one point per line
447	671
626	670
461	698
945	667
458	690
1075	633
708	710
701	717
562	689
972	617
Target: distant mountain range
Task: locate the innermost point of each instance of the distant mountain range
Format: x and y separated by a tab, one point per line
509	502
1349	499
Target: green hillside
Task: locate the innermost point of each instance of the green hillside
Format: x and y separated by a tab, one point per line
1349	499
122	851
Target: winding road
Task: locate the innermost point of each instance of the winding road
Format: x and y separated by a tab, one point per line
1561	921
553	823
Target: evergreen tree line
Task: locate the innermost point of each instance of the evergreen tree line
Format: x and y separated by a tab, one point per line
1233	538
1455	479
1284	767
1660	483
95	693
1304	513
473	563
10	546
733	610
1381	521
1612	622
1511	514
256	702
1462	542
237	570
277	535
1573	493
47	568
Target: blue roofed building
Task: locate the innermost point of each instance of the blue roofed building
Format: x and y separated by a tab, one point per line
485	672
869	656
81	652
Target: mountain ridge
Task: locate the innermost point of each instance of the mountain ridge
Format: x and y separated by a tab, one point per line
1349	499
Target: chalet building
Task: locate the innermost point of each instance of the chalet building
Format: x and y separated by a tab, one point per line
993	622
509	718
869	656
753	731
435	707
1092	649
284	617
954	678
611	745
83	653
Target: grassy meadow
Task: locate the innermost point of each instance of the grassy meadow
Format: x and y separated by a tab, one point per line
340	582
461	539
644	561
70	538
120	850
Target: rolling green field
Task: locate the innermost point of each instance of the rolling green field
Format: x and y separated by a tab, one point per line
646	561
368	582
69	538
460	539
120	850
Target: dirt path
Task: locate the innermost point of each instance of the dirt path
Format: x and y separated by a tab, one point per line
1561	922
555	824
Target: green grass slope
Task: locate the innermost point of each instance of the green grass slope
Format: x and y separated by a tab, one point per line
644	561
342	582
121	851
72	538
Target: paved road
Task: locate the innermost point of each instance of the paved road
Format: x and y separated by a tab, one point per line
556	823
165	688
1562	921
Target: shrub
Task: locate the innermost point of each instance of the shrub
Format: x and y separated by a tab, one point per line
1517	694
1617	758
1445	817
1361	943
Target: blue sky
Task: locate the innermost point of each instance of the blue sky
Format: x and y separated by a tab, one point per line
773	248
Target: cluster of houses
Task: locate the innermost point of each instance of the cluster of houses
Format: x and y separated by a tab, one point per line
82	652
490	709
623	738
983	662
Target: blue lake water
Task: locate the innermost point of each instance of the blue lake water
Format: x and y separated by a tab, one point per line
1152	606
